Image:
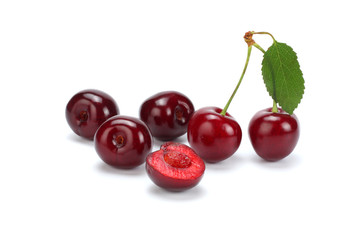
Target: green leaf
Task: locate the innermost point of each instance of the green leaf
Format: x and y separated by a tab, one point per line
282	76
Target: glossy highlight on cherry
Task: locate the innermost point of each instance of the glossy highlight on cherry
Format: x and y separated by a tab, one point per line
274	135
87	110
123	142
213	136
167	114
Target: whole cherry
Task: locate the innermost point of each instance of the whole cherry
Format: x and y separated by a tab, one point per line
123	142
167	114
175	167
88	109
213	136
274	135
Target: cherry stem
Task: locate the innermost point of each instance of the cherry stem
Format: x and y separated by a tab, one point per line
258	47
265	33
223	112
274	108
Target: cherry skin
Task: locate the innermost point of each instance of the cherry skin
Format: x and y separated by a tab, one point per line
213	136
123	142
274	135
167	114
175	167
87	110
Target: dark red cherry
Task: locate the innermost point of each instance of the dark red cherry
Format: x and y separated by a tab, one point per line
213	136
123	142
167	114
87	110
175	167
274	135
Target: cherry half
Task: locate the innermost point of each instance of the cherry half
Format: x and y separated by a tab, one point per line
175	167
274	135
213	136
123	142
87	110
167	114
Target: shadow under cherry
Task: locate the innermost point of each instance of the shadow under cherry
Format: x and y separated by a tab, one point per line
194	193
105	168
80	140
290	161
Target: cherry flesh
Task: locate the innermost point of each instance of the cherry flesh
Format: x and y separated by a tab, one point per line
213	136
87	110
175	167
167	114
123	142
274	135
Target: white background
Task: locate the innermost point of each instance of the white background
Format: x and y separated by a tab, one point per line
54	186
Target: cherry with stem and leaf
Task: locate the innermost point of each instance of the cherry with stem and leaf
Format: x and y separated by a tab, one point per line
274	132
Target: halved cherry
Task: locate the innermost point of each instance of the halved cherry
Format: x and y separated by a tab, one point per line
175	167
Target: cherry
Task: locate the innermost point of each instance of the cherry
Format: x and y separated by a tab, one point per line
167	114
212	135
274	134
123	142
87	110
175	167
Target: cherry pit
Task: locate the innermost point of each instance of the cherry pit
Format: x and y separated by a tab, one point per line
213	135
